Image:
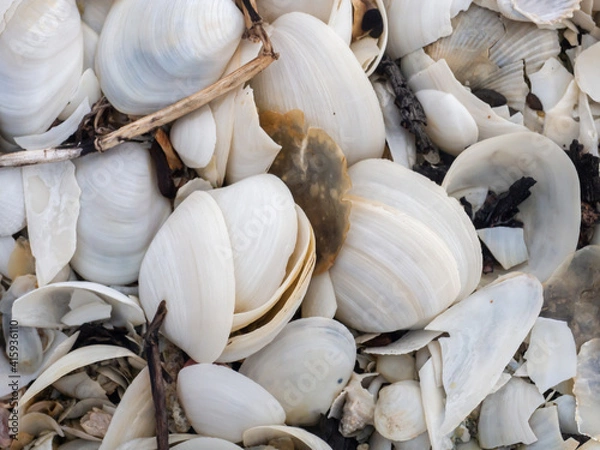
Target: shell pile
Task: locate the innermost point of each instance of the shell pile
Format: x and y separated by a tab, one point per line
321	291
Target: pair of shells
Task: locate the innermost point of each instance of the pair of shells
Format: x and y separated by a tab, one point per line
224	259
385	279
311	55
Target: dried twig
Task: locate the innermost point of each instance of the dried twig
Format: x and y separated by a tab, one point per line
254	32
156	378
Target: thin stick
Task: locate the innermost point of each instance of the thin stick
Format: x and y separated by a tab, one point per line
156	378
254	32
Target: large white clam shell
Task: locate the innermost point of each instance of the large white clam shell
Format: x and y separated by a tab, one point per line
307	76
121	209
41	49
551	215
393	271
220	402
305	368
189	264
411	193
153	54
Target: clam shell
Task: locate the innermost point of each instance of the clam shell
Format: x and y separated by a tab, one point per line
310	57
40	40
399	411
189	263
382	278
220	402
553	208
151	55
121	211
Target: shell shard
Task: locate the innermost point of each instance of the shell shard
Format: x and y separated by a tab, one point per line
551	356
585	389
506	244
200	293
503	311
222	403
505	414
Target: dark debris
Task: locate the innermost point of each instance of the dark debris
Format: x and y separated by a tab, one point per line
328	430
90	334
411	110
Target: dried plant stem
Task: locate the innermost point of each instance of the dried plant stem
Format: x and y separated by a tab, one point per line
156	378
254	31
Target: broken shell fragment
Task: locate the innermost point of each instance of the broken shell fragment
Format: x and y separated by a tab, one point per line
586	389
220	402
301	438
504	311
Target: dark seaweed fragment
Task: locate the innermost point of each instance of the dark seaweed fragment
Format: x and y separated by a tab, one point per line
411	111
328	430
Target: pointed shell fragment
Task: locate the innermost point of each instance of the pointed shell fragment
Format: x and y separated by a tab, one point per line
504	311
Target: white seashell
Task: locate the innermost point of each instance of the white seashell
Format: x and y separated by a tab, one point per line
415	24
586	68
46	306
449	124
301	438
506	244
560	125
585	389
187	49
319	300
262	223
547	12
396	367
355	405
121	211
566	406
272	9
206	443
504	416
41	40
252	150
52	205
551	356
305	368
503	311
588	135
392	184
12	201
550	83
399	411
196	184
282	305
134	416
220	402
553	208
439	76
199	291
58	134
544	423
299	39
433	407
194	137
379	285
